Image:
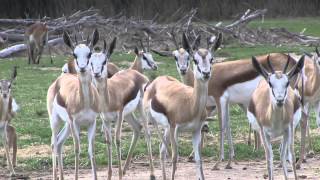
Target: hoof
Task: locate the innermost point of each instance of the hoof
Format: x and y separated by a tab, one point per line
265	176
228	166
215	168
298	166
152	177
190	159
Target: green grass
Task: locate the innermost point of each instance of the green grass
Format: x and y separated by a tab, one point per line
32	122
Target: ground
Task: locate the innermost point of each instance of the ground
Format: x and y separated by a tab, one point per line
34	152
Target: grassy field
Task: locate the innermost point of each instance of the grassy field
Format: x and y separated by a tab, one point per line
32	122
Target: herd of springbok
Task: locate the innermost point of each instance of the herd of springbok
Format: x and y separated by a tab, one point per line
274	90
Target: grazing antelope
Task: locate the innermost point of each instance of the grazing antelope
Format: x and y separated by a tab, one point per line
120	96
166	98
8	109
311	95
233	82
274	110
36	36
74	101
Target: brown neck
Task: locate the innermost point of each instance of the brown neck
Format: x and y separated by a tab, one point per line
314	79
188	78
137	65
84	90
199	96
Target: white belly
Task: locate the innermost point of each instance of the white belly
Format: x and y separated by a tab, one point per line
159	117
242	92
132	105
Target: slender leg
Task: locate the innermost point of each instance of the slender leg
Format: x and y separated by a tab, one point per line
304	122
230	143
6	146
145	120
76	140
108	136
196	141
310	151
204	130
221	115
283	152
249	135
174	147
91	138
163	152
39	54
61	138
136	133
257	142
118	138
291	150
54	123
268	152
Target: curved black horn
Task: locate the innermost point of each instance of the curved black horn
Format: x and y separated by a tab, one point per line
269	64
287	64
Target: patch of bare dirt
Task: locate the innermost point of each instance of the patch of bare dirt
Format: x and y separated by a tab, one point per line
139	171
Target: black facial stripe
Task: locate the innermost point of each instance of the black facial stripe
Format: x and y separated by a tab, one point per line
144	58
102	69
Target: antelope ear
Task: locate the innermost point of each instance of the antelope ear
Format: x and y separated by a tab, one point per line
297	68
95	38
14	73
67	40
259	68
112	46
136	51
218	42
185	43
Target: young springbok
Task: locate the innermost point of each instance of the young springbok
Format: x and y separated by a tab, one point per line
165	98
274	110
8	109
36	36
74	101
120	96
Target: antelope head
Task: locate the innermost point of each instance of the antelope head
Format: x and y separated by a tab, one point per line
81	52
5	84
98	60
202	58
146	57
278	81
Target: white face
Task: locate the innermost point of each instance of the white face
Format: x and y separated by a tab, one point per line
5	88
278	84
202	64
98	65
148	62
82	54
182	60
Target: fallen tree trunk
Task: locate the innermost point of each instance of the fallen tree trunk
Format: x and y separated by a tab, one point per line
8	52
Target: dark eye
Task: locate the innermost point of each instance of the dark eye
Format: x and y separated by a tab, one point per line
9	86
89	55
104	62
175	58
211	60
270	84
74	55
195	61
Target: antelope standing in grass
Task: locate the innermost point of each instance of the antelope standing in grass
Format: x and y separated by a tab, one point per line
74	101
8	109
233	82
166	98
311	94
274	110
120	96
36	37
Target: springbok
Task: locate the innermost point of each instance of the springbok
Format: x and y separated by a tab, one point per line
274	110
165	98
311	94
74	101
120	96
8	109
233	82
36	37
